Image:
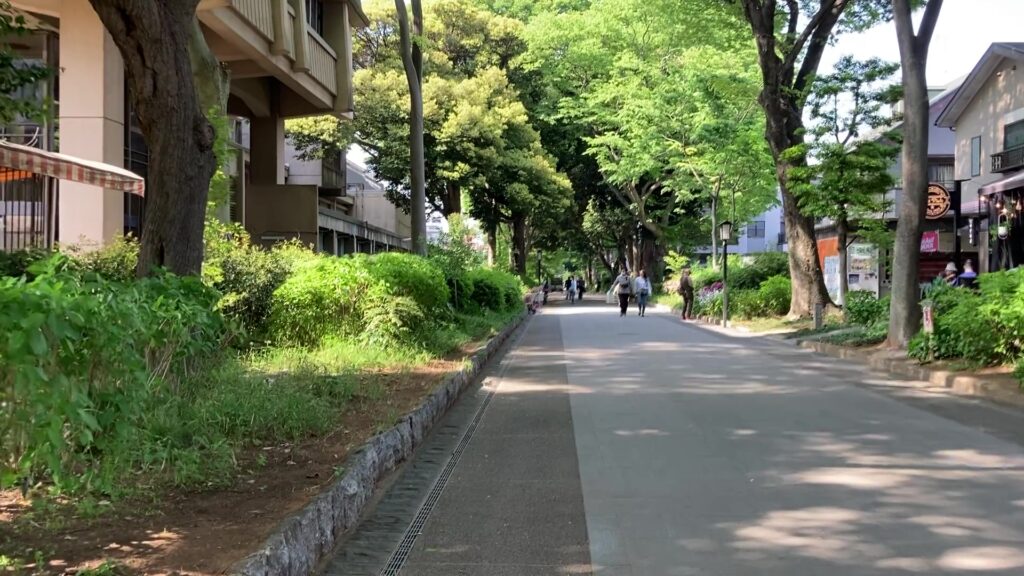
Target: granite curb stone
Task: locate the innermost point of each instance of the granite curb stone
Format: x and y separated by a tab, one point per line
302	541
999	388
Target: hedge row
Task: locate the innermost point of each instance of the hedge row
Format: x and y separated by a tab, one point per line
103	375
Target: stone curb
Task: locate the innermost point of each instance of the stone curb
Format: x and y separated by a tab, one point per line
997	388
1001	389
302	541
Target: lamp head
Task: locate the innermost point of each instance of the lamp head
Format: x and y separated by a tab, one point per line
725	231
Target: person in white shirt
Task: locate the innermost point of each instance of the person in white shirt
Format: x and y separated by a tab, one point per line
622	287
642	291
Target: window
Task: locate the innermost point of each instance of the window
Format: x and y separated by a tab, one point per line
976	156
755	229
315	15
941	173
1013	135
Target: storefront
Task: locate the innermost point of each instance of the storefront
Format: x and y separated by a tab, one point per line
1004	202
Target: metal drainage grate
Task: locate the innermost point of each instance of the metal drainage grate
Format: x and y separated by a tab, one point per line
401	554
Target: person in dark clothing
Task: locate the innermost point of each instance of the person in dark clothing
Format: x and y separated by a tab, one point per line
582	286
686	291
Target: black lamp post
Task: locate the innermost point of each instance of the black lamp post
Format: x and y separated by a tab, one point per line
539	279
725	233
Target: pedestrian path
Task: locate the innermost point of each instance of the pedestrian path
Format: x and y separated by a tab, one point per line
644	447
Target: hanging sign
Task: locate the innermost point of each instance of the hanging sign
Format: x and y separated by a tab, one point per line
930	241
938	202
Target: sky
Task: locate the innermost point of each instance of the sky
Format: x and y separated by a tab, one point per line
965	30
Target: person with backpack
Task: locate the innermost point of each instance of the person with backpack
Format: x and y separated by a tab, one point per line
643	292
623	289
686	291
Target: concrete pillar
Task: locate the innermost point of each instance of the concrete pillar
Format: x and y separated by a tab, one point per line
338	34
334	240
91	123
266	151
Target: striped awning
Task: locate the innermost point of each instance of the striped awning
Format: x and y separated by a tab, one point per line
15	158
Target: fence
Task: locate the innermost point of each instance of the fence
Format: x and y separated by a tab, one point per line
27	210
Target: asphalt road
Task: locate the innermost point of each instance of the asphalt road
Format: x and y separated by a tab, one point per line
645	446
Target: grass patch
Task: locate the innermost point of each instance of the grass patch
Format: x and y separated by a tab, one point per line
776	324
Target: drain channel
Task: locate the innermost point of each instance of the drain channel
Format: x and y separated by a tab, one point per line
401	553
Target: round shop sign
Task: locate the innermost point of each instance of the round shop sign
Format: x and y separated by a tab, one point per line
938	202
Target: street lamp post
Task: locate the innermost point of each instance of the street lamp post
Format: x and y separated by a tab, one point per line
539	279
725	233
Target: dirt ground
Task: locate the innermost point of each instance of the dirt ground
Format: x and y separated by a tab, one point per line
205	533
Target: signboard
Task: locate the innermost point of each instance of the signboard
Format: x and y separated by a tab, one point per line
929	319
831	274
862	268
930	241
938	202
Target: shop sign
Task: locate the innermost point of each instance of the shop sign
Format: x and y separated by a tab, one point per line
938	202
930	241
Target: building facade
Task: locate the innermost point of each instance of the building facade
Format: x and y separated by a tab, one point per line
353	213
286	58
987	117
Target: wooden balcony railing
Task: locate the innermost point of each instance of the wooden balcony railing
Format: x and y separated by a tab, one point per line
333	170
1007	160
282	24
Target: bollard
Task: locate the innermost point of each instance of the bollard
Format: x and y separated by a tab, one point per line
819	313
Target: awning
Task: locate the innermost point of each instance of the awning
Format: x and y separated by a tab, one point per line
18	158
1009	183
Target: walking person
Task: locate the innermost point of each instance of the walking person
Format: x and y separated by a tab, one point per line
582	285
686	291
622	290
643	292
565	287
573	286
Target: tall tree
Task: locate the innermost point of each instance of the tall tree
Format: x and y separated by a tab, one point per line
904	313
791	37
412	61
850	172
163	48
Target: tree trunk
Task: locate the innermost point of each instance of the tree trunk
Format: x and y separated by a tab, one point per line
519	247
154	40
785	80
842	233
492	246
452	202
412	61
804	266
904	312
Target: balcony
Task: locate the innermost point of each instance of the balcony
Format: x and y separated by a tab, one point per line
271	38
333	171
1007	160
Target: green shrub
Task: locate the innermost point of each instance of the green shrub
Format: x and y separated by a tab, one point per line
84	360
410	276
17	263
960	330
247	276
115	261
744	304
865	309
705	276
320	298
393	320
775	294
495	290
764	266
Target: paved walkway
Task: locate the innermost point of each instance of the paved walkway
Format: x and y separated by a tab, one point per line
644	447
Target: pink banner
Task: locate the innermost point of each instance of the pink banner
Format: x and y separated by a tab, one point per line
930	241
